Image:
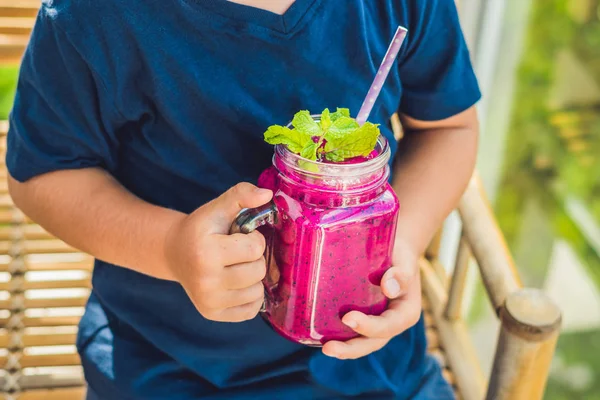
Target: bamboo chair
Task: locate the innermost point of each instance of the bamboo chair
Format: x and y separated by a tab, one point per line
529	320
44	285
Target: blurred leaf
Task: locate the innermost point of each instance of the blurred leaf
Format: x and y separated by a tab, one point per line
8	85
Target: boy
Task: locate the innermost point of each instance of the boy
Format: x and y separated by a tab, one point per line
134	127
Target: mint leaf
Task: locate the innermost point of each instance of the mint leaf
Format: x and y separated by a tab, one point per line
310	151
341	126
334	157
304	123
355	143
293	139
308	166
336	137
340	112
325	122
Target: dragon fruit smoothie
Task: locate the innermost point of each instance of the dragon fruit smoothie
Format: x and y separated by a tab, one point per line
330	246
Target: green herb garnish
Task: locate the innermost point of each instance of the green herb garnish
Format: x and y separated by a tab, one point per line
335	137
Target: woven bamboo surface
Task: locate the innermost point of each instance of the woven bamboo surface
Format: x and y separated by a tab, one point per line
44	285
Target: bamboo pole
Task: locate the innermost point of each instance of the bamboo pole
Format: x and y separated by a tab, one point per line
487	243
454	338
19	8
433	250
432	253
55	394
529	331
457	285
396	125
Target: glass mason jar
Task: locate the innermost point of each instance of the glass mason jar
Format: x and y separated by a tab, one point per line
330	230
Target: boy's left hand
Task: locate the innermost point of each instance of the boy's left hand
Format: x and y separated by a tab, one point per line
402	284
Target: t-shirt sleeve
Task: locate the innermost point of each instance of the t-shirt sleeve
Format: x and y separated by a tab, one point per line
435	67
62	117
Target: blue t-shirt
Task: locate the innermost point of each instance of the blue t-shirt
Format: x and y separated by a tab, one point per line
172	98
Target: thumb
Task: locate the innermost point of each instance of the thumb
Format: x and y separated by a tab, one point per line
226	207
397	280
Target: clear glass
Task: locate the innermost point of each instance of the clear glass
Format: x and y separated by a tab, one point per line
330	244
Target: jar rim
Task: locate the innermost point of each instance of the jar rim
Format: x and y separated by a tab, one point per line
321	169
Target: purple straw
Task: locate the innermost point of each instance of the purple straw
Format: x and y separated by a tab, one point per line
382	73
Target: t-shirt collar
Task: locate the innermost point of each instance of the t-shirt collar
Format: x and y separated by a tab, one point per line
285	23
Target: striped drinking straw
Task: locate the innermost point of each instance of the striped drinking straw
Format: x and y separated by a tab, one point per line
382	73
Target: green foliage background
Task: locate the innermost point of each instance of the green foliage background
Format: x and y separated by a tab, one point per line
553	153
8	84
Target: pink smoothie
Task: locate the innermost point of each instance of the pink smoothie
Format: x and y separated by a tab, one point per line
327	252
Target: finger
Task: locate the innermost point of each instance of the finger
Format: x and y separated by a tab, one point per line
401	315
226	207
353	348
235	298
398	279
244	275
240	313
240	248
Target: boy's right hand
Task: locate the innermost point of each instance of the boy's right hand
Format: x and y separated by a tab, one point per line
221	273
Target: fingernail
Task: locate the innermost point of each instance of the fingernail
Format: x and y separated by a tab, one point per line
330	353
350	323
261	190
392	287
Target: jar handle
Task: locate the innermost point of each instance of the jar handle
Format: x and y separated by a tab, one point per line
248	220
251	218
